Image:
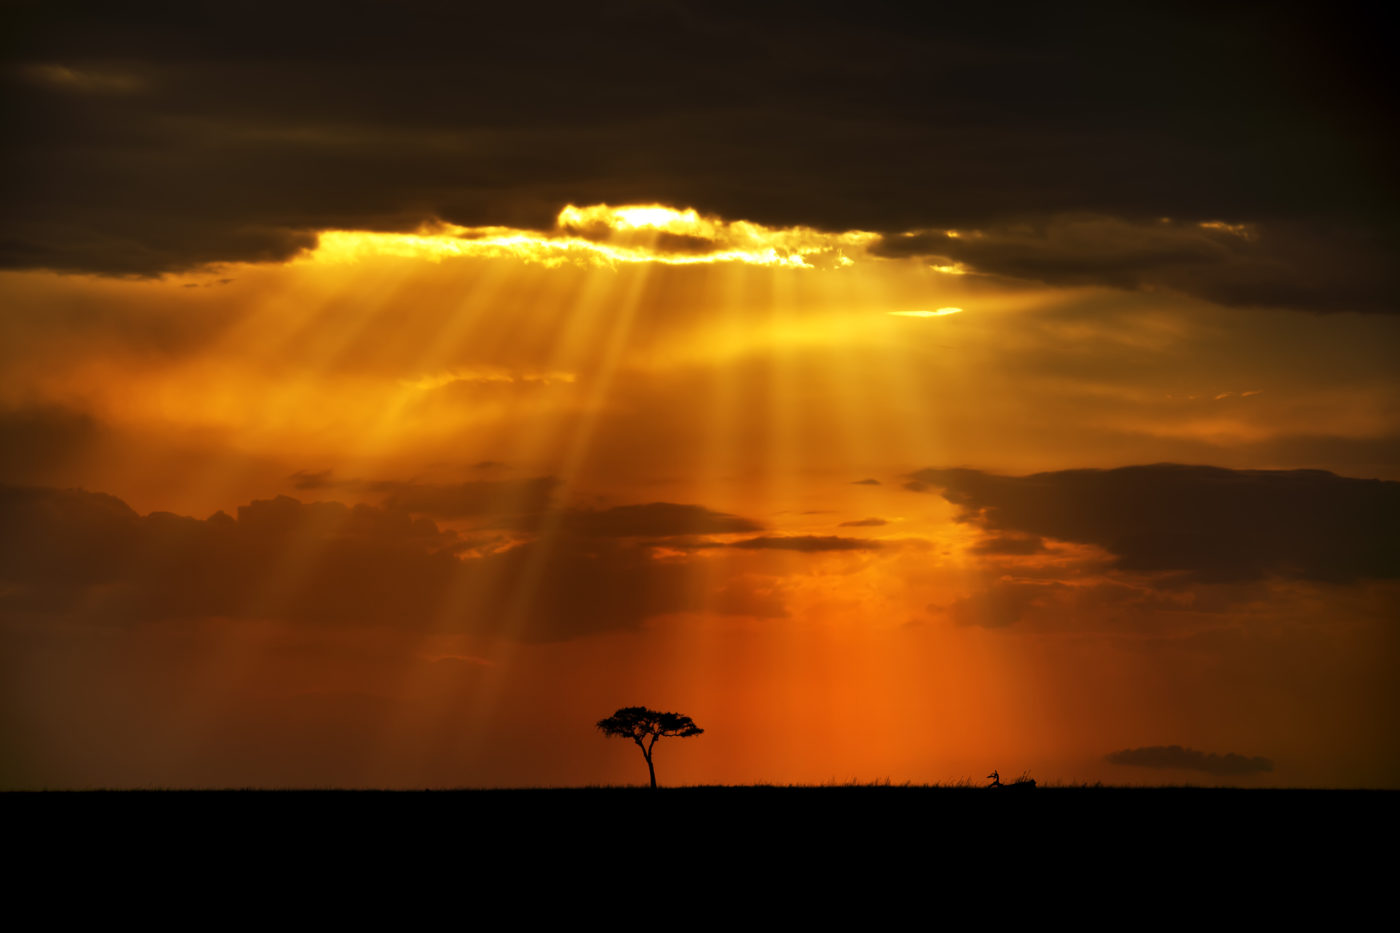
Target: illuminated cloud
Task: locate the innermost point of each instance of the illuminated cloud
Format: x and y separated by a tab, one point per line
600	235
811	543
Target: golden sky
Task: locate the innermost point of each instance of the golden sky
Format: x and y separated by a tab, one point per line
470	489
895	403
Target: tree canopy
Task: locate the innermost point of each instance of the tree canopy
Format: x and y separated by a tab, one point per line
644	726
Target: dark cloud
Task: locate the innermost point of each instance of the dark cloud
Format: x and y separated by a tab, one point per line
84	555
1079	600
654	519
77	552
1174	757
806	543
1208	523
864	523
749	595
36	441
1002	604
552	589
1367	456
1374	456
1282	265
1010	545
147	137
524	505
308	479
469	499
866	482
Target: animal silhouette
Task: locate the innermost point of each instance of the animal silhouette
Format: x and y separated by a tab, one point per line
1024	782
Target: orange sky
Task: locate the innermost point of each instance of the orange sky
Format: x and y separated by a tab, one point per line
672	459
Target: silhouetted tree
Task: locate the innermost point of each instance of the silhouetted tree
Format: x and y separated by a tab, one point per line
644	726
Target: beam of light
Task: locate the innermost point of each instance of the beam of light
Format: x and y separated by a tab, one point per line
601	235
337	359
941	312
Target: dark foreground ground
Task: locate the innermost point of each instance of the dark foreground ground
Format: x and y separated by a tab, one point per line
1066	852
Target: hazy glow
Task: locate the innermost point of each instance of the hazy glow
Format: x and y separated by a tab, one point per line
941	312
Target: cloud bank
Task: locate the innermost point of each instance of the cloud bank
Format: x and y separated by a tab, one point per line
1207	523
84	555
1174	757
143	142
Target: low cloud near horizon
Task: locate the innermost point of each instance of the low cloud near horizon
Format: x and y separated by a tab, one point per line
1177	758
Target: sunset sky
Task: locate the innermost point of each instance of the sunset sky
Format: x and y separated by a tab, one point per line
389	392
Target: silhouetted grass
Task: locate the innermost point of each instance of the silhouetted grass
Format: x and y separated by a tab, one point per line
964	784
773	833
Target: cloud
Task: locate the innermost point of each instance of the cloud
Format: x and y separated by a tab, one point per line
1208	523
310	479
864	523
866	482
243	141
524	505
555	588
36	441
1285	265
654	519
85	555
1010	545
472	498
77	552
70	80
1001	604
810	543
1174	757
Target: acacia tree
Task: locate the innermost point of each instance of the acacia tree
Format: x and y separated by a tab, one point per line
644	726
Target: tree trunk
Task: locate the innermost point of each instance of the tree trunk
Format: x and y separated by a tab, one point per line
653	772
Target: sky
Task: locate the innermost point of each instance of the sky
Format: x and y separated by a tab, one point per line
388	393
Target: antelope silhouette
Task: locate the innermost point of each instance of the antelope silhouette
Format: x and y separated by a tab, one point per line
1021	783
